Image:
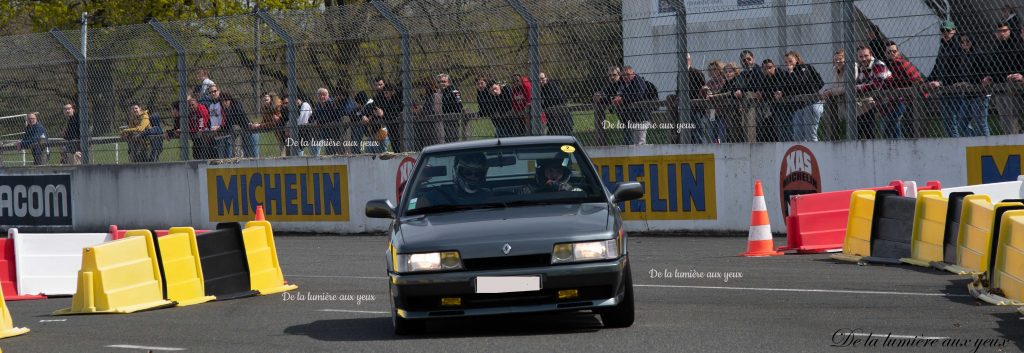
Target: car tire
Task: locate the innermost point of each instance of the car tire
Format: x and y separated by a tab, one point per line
623	314
404	326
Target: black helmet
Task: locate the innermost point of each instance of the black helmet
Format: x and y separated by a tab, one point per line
468	165
551	163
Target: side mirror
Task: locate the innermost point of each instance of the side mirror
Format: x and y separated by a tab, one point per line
380	208
627	191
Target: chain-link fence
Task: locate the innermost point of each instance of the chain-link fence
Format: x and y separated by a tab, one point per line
37	76
400	75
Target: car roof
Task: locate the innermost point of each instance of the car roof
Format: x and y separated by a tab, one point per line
507	141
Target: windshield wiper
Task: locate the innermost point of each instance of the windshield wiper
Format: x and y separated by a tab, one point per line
451	208
545	202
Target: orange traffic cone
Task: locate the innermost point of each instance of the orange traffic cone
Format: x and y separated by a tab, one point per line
259	213
759	239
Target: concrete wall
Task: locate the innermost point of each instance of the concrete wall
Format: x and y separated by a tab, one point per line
175	194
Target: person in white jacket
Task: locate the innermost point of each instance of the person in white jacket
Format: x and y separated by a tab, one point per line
305	134
836	115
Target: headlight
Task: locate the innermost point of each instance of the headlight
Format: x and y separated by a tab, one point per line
588	251
435	261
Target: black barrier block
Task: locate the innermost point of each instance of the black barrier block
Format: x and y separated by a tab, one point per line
894	244
892	226
995	232
225	268
159	261
952	231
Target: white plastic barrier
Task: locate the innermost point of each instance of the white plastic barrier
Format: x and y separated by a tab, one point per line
997	191
49	263
910	188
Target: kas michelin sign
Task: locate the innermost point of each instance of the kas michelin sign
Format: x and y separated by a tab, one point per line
35	200
798	175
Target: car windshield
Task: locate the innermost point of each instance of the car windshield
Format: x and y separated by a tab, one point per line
500	177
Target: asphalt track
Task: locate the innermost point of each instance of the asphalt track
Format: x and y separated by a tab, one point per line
794	303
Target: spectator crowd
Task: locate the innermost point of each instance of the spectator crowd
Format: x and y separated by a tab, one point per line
749	101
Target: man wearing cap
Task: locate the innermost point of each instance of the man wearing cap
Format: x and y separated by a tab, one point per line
955	68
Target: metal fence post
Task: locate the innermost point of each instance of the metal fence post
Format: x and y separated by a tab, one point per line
293	87
185	137
406	79
850	71
81	73
533	48
783	26
684	122
256	68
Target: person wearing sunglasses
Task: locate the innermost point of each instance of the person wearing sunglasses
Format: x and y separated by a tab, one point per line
904	75
1005	65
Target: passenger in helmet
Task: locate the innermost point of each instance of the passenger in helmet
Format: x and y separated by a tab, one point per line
551	175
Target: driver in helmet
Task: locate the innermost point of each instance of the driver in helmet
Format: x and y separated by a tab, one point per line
470	175
551	175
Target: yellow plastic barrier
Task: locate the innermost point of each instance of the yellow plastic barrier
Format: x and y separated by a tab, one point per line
857	242
1008	275
7	328
974	243
121	276
929	229
183	273
260	252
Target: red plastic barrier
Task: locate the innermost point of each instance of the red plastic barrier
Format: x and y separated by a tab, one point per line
817	222
8	275
119	234
931	185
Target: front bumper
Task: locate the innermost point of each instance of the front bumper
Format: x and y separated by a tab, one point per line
599	284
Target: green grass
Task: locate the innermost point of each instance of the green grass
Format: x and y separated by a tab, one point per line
583	129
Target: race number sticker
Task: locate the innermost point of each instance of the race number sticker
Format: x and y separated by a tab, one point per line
402	176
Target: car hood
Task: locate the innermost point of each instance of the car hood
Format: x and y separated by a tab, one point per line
528	229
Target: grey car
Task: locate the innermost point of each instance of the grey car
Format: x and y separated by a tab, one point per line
507	226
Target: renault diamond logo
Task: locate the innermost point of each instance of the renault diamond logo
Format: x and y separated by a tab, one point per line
505	249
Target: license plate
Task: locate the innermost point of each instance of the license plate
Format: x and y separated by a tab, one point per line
507	284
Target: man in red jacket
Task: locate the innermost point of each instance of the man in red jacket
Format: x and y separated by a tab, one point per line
904	75
521	100
198	125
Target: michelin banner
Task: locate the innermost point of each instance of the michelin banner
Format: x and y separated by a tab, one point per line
993	164
676	187
288	194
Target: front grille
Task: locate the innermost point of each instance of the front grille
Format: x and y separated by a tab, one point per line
494	300
504	262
